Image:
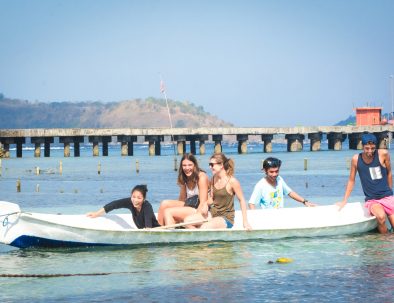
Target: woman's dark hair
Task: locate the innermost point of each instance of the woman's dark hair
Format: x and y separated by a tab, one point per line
182	178
142	188
271	162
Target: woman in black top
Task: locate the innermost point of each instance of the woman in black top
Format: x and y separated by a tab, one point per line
140	208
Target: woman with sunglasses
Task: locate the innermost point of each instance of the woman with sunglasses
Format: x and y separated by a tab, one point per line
193	182
224	186
269	192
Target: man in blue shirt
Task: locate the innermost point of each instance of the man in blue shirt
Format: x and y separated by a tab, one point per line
269	192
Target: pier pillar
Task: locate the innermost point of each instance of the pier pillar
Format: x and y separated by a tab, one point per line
6	148
95	140
47	146
267	139
127	144
37	141
335	140
66	141
105	140
355	141
383	138
218	143
19	142
242	143
77	140
181	144
193	147
315	141
37	150
154	145
192	139
202	139
295	142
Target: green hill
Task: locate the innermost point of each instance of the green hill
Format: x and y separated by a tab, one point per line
136	113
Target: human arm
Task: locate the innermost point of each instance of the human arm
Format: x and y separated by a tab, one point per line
350	182
300	199
121	203
182	193
256	196
236	187
203	185
149	216
96	214
387	164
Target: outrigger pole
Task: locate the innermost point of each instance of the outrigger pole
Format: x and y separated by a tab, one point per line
163	91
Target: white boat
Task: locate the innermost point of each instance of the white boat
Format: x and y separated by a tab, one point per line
23	229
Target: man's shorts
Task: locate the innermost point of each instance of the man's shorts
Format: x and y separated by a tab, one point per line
386	202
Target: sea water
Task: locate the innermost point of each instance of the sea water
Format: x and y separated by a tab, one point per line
356	268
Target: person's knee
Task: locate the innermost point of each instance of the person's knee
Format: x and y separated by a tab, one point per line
381	218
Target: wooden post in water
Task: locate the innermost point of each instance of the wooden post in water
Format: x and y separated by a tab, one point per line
348	163
37	188
175	164
37	170
60	167
137	166
18	186
305	164
99	168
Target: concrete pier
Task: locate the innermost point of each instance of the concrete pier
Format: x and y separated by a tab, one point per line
355	141
315	139
127	142
335	140
382	138
336	135
218	143
242	144
154	145
267	139
295	142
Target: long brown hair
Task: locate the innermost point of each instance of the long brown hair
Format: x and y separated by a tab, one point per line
228	163
182	178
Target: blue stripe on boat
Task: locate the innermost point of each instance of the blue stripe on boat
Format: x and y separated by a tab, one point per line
30	241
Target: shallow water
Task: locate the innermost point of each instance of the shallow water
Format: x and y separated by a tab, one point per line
358	268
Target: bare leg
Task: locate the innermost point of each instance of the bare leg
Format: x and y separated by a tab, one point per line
217	222
391	220
167	204
194	218
177	214
378	211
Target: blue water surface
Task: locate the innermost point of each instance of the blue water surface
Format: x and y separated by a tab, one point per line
357	268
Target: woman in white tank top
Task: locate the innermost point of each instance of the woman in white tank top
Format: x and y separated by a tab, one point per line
192	181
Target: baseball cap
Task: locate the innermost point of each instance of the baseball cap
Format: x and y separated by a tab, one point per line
365	138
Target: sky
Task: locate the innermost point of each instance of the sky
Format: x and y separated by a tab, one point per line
252	63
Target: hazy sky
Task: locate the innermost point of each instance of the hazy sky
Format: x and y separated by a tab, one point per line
252	63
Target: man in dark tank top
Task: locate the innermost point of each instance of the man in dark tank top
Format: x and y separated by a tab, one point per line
374	169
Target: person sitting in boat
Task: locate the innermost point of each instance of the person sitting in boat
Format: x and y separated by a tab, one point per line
374	169
224	186
193	183
269	192
141	209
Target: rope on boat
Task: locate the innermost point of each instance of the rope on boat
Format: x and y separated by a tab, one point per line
5	220
116	273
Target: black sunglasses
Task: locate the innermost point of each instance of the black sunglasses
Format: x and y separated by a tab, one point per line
211	164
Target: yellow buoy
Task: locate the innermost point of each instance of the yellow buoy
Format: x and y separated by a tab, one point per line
284	260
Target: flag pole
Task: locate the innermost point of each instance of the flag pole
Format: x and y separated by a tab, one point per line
163	91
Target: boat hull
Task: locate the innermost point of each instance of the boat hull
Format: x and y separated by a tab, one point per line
25	230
